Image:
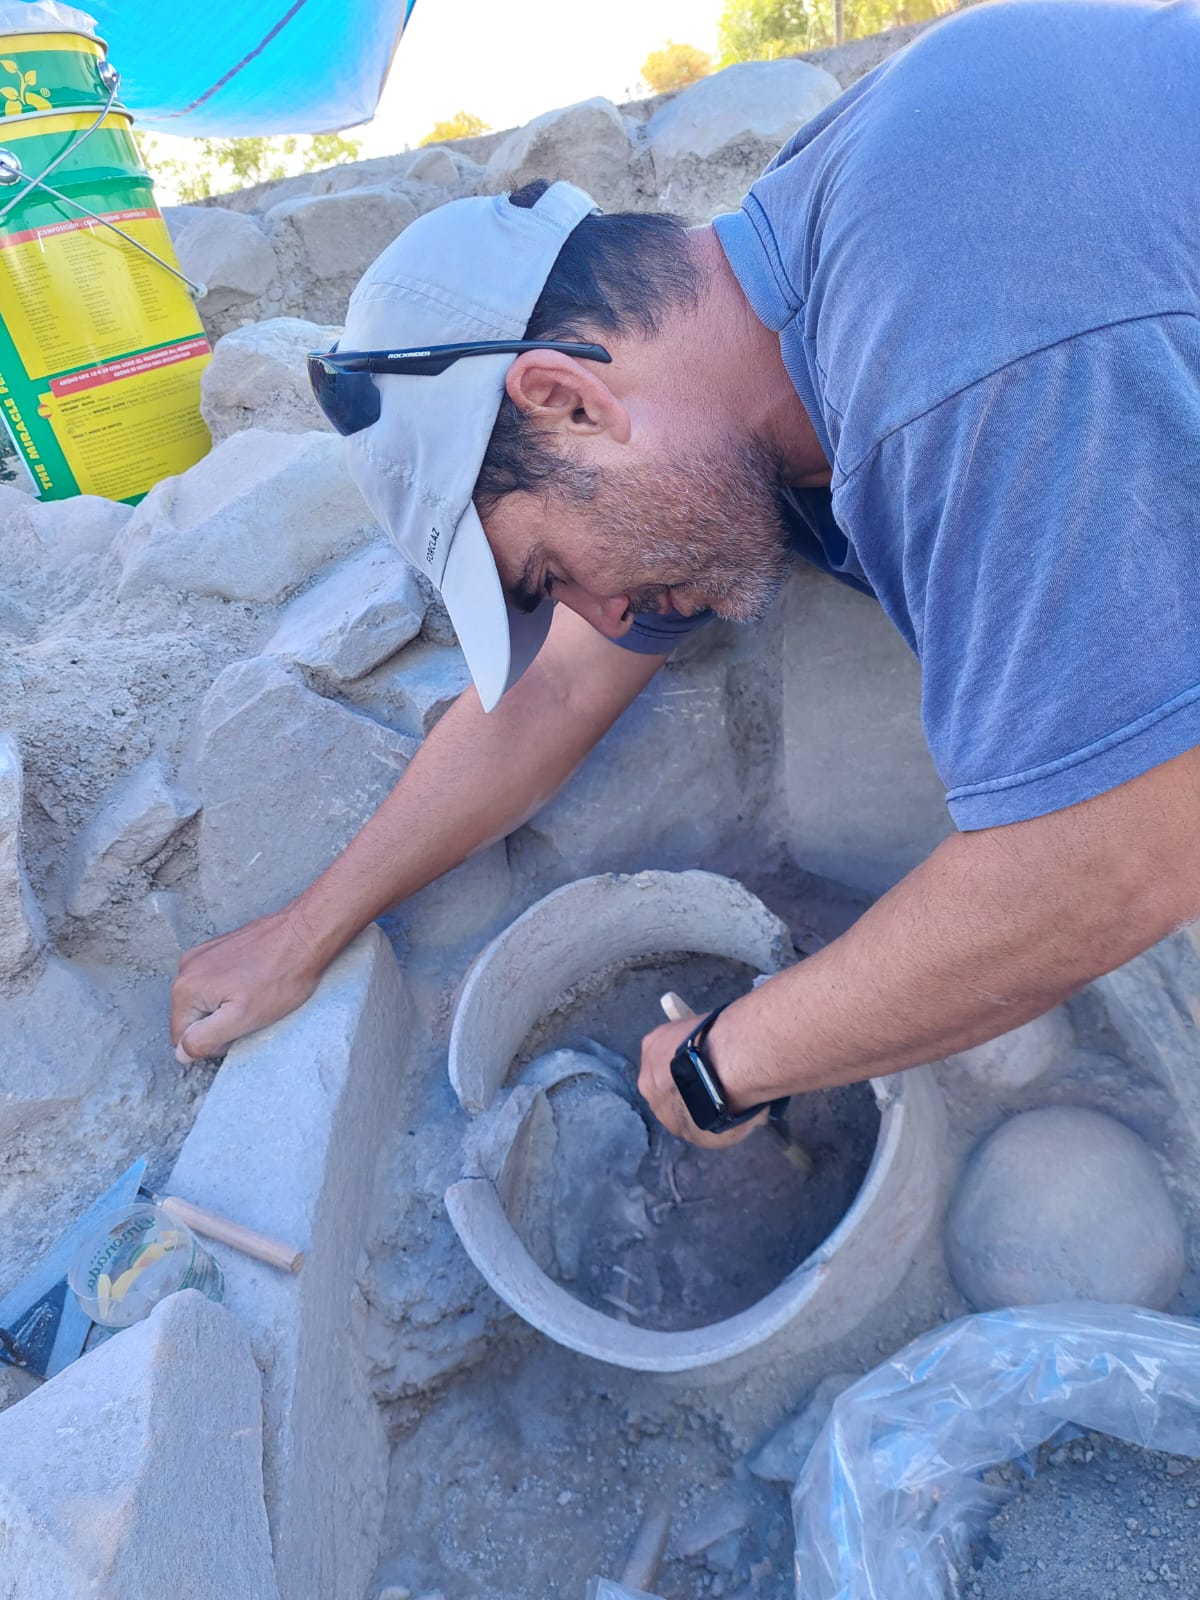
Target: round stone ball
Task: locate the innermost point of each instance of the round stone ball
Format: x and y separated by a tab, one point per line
1063	1204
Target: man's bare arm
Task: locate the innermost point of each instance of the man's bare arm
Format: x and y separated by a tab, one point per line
993	929
475	779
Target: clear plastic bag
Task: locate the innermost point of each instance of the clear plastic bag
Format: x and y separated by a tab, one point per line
890	1496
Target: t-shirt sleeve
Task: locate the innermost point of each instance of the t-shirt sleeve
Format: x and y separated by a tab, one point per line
654	635
1050	582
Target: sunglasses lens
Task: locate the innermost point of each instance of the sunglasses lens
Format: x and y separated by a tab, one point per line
349	399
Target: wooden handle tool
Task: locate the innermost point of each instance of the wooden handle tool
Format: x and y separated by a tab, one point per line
276	1254
675	1008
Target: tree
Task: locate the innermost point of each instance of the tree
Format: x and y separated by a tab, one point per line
329	150
215	165
462	125
758	30
675	66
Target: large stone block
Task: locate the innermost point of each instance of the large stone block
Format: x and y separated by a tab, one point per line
229	254
22	930
255	518
340	234
864	803
286	778
414	692
286	1141
701	724
590	144
137	1472
257	378
709	143
353	619
137	821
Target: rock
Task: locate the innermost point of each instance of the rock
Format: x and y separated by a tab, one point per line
780	1457
16	620
1063	1203
601	1142
1018	1058
229	254
255	518
685	723
433	165
84	526
709	143
327	226
257	378
22	929
721	1516
853	60
168	1414
590	144
177	218
286	778
163	933
58	1040
136	822
287	1141
355	618
864	803
463	908
74	1109
416	690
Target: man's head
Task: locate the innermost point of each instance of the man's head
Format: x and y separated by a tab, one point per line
622	489
616	486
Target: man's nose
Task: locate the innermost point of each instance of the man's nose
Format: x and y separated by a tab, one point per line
611	617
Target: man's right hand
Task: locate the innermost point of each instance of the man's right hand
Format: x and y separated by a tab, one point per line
239	982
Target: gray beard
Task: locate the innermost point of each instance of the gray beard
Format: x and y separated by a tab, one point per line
712	524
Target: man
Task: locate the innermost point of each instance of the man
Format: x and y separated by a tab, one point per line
949	350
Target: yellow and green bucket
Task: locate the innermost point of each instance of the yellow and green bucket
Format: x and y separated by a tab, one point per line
101	348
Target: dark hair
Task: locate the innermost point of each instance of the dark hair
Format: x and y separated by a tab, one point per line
615	275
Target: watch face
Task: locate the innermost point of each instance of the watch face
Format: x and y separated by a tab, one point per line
697	1088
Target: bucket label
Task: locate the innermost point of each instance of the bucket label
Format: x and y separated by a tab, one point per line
72	291
148	399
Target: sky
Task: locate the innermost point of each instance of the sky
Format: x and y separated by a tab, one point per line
506	61
509	60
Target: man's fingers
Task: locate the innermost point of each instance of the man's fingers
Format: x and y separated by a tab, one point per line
210	1035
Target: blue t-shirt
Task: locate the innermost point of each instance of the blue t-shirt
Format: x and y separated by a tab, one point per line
983	263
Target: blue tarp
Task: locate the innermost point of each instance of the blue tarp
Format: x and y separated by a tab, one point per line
260	67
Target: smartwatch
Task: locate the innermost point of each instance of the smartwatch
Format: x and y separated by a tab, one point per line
699	1087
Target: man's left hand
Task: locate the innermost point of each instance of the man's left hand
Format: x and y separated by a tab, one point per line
657	1087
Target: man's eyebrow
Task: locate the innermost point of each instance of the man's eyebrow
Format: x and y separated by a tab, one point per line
526	593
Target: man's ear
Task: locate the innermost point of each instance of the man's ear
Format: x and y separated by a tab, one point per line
566	395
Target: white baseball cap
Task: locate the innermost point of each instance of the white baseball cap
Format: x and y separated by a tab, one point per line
469	272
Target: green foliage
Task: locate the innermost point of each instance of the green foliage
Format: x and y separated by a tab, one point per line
329	150
761	30
675	66
216	165
462	125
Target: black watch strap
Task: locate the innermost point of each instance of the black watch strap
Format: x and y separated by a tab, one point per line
700	1088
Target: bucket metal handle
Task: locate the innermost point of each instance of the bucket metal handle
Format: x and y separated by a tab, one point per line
12	172
111	80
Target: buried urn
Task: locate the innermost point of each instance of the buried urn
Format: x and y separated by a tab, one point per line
608	1234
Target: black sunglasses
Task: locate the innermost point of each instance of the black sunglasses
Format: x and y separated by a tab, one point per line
344	385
